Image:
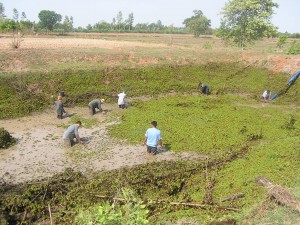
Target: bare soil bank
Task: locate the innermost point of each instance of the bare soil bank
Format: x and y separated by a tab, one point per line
43	53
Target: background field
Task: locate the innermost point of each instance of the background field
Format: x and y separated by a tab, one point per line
94	51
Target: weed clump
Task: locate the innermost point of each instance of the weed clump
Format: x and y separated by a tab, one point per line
294	48
290	124
6	140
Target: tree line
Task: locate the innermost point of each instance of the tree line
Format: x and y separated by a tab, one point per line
242	23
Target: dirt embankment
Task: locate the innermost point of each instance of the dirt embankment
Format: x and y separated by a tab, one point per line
44	53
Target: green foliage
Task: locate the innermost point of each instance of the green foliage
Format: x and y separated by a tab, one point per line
87	123
8	25
71	191
282	41
233	128
2	9
290	124
48	19
6	140
294	48
197	24
245	21
208	45
200	124
100	215
34	90
132	212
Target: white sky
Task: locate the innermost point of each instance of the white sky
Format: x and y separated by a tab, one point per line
85	12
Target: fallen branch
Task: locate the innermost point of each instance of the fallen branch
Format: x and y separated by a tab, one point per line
233	197
50	214
189	204
279	193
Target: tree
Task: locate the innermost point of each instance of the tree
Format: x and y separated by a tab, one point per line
48	19
68	24
12	26
129	21
89	27
2	9
119	19
102	26
245	21
15	15
197	24
23	16
159	25
113	24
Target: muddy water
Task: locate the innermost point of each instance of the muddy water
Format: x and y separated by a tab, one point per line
39	152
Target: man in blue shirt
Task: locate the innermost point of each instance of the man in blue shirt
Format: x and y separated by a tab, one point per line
153	138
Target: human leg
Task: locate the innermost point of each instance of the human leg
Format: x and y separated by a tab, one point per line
152	150
67	143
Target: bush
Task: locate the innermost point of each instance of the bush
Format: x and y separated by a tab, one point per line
294	49
208	45
289	124
282	41
132	212
6	139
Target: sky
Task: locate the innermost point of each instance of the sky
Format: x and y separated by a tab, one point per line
170	12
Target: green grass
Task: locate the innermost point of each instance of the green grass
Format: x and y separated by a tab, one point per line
217	125
34	90
207	125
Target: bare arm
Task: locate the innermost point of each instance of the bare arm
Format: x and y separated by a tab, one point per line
145	140
77	136
160	143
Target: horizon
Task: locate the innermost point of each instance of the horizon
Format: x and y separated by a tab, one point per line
169	12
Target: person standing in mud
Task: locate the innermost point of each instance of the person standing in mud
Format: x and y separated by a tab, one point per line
71	133
266	95
59	107
153	138
95	104
204	88
121	100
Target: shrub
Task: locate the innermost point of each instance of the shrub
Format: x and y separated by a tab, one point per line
294	49
282	41
290	124
132	212
6	139
208	45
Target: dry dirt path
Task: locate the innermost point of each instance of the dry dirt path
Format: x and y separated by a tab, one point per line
39	152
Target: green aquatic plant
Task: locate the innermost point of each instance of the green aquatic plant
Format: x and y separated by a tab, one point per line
6	140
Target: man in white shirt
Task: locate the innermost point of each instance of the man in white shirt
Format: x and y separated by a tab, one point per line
121	101
153	138
266	95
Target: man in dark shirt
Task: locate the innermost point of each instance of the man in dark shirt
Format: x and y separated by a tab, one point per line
95	104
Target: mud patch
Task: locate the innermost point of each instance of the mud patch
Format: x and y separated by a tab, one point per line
39	152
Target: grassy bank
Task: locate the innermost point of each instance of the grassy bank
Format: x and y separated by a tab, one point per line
25	93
